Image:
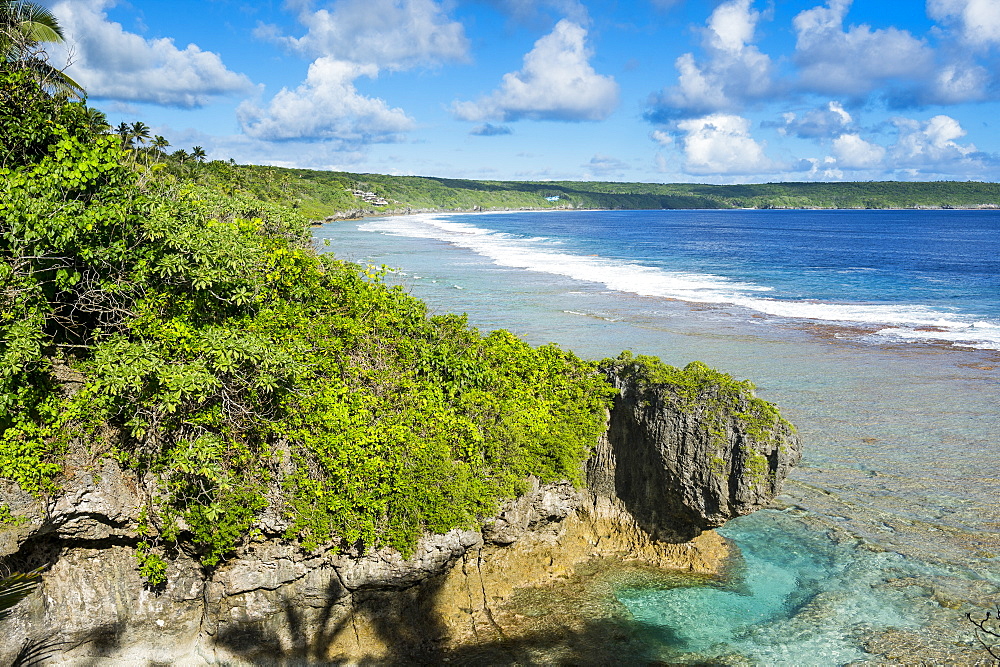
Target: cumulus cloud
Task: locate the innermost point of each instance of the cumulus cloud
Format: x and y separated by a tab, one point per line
977	21
118	65
391	34
735	72
857	60
853	152
662	138
930	144
722	144
958	83
922	148
326	106
827	121
555	83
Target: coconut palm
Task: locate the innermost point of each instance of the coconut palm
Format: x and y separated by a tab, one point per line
97	122
23	27
159	143
198	153
124	130
140	132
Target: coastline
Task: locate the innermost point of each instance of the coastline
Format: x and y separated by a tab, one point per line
363	213
892	491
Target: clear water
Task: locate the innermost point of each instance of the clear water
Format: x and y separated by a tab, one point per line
877	333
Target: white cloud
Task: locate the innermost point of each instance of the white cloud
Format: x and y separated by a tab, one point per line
731	26
853	152
392	34
930	143
721	144
978	21
955	84
922	149
822	170
736	72
662	138
556	83
118	65
326	106
827	121
858	60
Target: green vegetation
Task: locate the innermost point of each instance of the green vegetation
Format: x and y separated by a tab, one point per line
713	396
319	194
227	363
24	26
171	314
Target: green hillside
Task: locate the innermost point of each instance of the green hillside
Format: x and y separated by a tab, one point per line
321	194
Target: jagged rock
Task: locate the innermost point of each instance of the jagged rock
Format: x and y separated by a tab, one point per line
670	466
683	463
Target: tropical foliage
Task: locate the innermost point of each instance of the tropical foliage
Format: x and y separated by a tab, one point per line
24	28
228	364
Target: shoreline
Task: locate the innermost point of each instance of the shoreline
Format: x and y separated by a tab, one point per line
890	493
364	213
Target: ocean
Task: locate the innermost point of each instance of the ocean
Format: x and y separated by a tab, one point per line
877	333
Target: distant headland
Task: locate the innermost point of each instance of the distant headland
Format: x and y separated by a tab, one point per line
338	195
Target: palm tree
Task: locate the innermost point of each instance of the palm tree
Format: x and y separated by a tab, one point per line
159	143
124	130
140	132
23	26
97	122
198	153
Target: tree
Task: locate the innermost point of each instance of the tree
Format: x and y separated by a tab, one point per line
97	122
124	130
198	153
159	143
23	27
140	132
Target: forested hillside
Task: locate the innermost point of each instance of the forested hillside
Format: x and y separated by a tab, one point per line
320	194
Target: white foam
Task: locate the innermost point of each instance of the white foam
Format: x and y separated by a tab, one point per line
541	254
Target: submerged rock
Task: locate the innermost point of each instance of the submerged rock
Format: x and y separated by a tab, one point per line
683	453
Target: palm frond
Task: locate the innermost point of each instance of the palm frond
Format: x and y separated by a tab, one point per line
15	587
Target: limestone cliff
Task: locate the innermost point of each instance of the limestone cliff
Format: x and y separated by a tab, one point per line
671	465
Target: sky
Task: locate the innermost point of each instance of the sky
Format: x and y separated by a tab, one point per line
733	91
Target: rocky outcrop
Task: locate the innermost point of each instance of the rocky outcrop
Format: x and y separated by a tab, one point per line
684	459
667	469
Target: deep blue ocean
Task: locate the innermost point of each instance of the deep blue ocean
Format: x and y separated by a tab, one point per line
876	332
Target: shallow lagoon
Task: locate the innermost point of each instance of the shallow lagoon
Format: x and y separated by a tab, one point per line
887	532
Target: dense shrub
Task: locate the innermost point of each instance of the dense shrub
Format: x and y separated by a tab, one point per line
225	361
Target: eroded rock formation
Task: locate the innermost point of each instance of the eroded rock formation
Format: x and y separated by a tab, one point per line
668	468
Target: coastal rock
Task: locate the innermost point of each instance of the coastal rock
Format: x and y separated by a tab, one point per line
670	467
687	459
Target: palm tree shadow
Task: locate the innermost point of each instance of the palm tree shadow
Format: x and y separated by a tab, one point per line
403	621
405	627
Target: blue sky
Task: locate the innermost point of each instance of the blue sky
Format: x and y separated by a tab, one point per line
629	90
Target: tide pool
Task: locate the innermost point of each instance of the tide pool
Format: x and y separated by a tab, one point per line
874	332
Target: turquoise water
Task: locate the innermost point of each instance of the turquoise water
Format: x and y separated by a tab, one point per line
875	333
